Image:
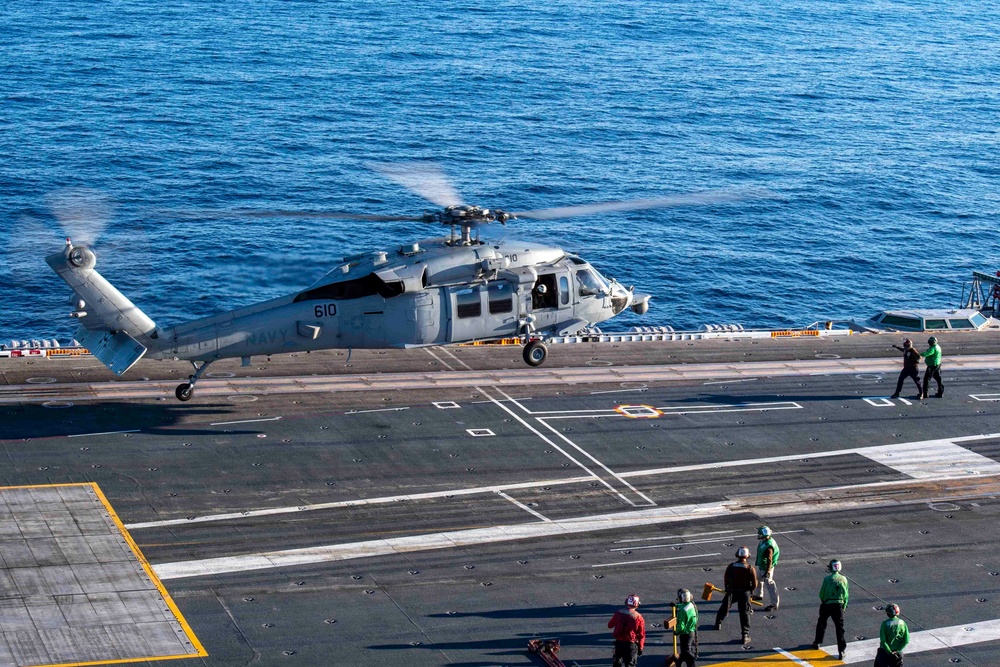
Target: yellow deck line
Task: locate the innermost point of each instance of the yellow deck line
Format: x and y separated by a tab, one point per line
199	650
807	656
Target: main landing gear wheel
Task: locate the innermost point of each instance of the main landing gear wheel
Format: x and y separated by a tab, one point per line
535	353
184	392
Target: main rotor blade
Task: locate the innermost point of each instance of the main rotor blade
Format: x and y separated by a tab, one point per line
331	215
634	204
422	178
265	213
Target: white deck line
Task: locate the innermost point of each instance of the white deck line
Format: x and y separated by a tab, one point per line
540	420
793	658
562	451
523	506
801	503
869	452
925	640
466	379
655	560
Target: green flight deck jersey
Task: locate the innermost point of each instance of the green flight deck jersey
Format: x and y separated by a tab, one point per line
834	589
762	548
933	355
687	619
894	635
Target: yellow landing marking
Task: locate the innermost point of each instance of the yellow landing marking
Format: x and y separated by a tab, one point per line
804	657
199	650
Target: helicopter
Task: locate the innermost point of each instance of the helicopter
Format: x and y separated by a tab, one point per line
438	291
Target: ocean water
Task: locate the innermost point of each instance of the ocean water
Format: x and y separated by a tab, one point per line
873	125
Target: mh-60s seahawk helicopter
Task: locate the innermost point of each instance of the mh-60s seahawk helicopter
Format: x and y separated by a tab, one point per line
438	291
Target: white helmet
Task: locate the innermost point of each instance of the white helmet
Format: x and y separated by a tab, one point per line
684	595
763	533
632	600
743	552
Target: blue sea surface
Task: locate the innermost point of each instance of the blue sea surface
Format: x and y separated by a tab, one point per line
873	125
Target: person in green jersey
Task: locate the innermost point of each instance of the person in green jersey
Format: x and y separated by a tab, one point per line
893	637
767	558
833	596
932	357
685	630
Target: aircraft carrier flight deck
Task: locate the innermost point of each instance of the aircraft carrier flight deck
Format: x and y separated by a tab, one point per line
444	506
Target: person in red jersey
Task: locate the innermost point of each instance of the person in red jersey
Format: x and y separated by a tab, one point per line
629	631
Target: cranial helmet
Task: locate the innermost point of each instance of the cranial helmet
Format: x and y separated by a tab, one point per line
684	595
892	610
907	343
834	565
763	533
632	600
932	340
743	552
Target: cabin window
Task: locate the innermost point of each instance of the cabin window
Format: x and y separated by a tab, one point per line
357	288
934	324
978	320
469	303
563	290
587	283
961	324
501	298
897	321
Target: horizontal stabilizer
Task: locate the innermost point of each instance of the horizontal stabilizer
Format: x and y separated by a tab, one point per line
118	351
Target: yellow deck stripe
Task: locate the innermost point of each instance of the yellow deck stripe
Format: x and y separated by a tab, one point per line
198	648
814	658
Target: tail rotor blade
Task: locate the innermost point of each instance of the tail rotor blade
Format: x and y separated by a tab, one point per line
425	179
83	214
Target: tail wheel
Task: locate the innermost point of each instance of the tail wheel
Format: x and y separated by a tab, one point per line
535	353
184	392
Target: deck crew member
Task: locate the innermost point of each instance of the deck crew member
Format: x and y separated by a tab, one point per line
685	629
893	637
911	368
767	558
933	359
629	630
833	596
740	583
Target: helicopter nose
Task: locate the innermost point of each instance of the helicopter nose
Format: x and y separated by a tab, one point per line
621	298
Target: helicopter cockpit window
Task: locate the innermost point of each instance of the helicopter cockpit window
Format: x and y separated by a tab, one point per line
501	298
587	283
469	303
563	290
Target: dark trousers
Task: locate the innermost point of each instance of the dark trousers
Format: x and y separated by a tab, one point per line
833	610
933	372
908	373
885	659
687	648
742	600
626	653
